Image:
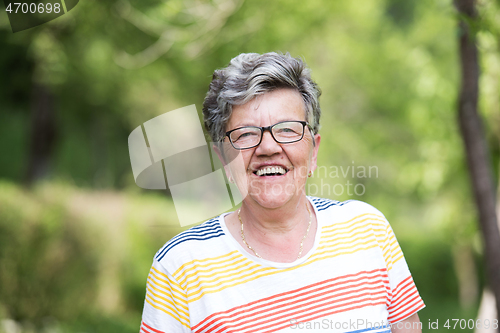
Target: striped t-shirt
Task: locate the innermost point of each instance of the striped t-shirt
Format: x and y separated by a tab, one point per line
354	279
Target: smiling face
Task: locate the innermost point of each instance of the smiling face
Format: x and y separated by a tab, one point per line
272	174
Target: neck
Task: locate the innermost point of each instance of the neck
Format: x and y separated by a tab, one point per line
278	235
269	222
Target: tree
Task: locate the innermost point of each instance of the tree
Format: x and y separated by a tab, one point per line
475	144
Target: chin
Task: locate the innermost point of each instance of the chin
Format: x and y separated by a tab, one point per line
273	197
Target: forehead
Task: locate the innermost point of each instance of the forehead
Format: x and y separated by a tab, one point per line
268	109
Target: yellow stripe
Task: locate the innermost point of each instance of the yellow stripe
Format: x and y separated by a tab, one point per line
207	259
354	218
258	274
173	312
201	285
176	301
168	283
352	242
174	304
200	272
394	255
195	269
242	276
205	292
336	247
342	253
397	259
348	239
350	234
157	307
393	246
231	272
193	290
170	280
336	227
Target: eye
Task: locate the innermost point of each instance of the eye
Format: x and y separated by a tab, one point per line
245	134
286	131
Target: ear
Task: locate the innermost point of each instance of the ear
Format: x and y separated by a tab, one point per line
314	158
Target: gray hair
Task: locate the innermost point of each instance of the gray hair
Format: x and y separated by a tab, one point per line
251	74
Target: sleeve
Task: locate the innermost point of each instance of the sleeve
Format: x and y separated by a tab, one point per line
405	299
165	308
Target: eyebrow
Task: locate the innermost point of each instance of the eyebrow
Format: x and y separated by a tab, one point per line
279	121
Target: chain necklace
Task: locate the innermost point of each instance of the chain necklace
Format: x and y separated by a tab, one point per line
301	243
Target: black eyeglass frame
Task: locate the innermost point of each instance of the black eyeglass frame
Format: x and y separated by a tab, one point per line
269	128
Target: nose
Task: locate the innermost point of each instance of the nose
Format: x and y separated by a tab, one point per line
268	146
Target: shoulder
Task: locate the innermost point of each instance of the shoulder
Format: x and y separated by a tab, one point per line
192	242
322	204
355	211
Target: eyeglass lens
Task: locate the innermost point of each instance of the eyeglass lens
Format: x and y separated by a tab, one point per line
285	132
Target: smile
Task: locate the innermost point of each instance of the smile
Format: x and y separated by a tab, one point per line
271	171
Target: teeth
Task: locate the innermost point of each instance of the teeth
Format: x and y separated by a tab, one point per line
271	170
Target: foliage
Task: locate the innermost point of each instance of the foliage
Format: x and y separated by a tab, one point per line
389	75
65	253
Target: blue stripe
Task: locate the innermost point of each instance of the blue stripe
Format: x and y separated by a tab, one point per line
207	230
191	238
322	204
330	205
206	226
335	204
184	235
201	232
197	230
315	199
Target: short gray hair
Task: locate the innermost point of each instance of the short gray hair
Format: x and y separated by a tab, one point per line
249	75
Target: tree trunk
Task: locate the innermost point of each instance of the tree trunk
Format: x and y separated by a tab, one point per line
475	146
42	133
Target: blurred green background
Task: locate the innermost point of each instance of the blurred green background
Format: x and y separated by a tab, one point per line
77	236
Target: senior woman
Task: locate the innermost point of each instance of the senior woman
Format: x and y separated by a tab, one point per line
283	261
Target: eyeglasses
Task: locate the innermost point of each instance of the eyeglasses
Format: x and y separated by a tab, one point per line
283	132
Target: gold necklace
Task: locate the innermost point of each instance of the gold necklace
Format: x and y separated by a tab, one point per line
301	243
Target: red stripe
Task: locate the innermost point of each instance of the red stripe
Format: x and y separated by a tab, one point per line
208	321
395	306
320	311
289	313
407	307
403	311
308	296
247	307
396	296
404	300
152	329
143	329
315	301
322	315
402	284
410	312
